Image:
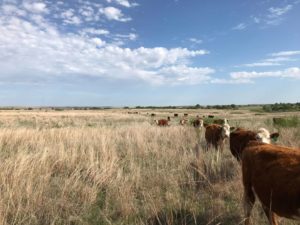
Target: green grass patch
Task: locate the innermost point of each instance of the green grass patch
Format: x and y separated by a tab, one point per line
287	122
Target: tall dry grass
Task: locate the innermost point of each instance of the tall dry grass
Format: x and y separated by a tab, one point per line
113	168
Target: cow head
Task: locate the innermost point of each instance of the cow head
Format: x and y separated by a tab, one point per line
264	136
201	122
225	130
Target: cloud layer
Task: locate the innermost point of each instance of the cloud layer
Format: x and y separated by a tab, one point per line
42	51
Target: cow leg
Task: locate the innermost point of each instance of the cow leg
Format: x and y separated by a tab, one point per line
249	200
216	146
222	146
270	215
207	146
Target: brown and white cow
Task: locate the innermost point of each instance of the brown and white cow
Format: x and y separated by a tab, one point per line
198	123
241	137
216	134
272	173
183	121
220	121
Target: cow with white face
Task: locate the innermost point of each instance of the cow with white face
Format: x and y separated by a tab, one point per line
241	137
263	136
215	135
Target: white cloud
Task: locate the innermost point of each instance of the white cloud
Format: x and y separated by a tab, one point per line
260	64
44	53
113	13
125	3
277	12
98	42
231	81
130	36
275	15
256	19
95	31
87	12
280	59
292	72
69	17
285	53
181	74
13	10
240	26
276	59
35	7
195	40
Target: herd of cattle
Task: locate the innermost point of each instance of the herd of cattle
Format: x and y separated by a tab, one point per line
270	172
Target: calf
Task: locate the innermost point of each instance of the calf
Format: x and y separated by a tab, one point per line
241	137
220	121
197	123
272	173
182	121
162	122
216	134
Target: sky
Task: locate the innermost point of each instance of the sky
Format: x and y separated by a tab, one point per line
149	52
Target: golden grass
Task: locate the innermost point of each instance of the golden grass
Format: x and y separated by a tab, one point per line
102	167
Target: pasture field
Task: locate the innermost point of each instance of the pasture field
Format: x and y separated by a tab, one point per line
110	167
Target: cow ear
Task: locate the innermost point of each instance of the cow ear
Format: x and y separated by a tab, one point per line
274	136
205	124
232	129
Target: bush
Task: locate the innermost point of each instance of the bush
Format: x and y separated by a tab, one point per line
286	122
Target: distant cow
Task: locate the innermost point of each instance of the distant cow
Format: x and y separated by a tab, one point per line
169	118
272	173
185	114
211	116
241	137
219	121
175	114
152	114
216	134
183	121
197	123
162	122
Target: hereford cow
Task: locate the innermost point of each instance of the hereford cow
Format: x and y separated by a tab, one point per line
240	138
216	134
183	121
162	122
219	121
197	123
272	173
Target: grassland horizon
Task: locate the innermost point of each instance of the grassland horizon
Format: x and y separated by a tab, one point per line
110	167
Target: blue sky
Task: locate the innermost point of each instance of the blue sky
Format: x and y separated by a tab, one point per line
148	52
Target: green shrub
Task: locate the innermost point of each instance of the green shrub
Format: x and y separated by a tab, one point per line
286	122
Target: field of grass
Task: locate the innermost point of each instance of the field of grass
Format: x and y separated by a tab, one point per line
111	167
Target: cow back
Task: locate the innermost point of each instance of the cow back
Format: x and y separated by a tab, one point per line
274	174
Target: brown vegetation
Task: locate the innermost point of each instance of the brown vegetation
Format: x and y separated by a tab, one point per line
108	167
